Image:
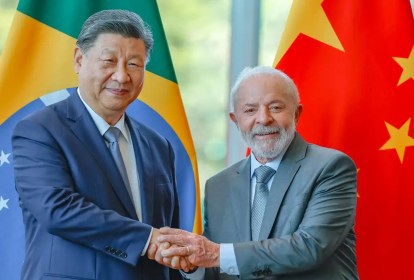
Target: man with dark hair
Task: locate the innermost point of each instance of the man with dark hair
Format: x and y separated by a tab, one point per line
94	184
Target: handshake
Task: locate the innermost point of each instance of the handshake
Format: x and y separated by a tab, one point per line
180	249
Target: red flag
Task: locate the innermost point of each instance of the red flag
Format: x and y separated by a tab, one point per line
353	62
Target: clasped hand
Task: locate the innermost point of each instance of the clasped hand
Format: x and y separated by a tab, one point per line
180	249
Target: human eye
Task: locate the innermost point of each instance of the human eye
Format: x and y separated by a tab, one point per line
249	110
276	108
108	61
135	64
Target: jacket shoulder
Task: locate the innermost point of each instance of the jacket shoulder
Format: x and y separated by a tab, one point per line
230	171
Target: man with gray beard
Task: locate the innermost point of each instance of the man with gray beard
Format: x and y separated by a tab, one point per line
285	212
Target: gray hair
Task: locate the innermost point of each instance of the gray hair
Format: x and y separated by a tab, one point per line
249	72
122	22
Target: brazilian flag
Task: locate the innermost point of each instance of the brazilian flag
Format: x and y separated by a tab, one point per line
36	69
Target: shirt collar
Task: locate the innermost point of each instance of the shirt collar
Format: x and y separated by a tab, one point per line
101	124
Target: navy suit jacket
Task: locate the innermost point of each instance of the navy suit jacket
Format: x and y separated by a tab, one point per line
79	220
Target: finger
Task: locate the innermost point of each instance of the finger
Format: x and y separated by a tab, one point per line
158	257
167	262
181	240
177	251
168	230
184	263
161	247
151	251
165	245
176	263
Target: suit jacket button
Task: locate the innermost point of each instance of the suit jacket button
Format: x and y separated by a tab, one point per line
124	255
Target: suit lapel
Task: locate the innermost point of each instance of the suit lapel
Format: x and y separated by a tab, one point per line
240	200
288	167
88	134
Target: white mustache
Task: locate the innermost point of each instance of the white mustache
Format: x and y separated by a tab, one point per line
260	129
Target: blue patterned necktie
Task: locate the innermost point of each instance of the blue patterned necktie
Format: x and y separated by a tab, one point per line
112	136
263	175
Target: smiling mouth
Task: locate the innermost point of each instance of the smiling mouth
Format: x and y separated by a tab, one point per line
265	134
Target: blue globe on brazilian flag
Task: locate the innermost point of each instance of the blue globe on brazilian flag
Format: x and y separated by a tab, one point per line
36	70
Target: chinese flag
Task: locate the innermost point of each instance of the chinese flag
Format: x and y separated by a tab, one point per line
353	62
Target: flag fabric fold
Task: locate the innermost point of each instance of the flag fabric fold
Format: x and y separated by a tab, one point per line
353	62
36	68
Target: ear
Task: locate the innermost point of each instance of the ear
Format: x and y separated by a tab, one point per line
77	59
233	118
298	113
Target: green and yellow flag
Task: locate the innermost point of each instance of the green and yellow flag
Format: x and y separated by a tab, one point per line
36	69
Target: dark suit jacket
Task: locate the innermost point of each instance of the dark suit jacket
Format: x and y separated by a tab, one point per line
80	222
307	230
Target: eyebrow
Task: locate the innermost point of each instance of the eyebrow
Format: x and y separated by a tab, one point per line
107	50
110	51
270	103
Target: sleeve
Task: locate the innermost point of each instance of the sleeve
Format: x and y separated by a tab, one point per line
198	274
48	193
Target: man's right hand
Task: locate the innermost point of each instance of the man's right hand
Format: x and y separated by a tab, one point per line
154	252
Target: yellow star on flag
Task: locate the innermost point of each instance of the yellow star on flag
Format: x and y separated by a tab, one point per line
399	139
301	14
407	64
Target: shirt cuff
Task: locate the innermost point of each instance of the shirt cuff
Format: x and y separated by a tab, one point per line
144	251
228	263
198	274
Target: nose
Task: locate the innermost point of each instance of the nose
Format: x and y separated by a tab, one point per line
121	74
264	117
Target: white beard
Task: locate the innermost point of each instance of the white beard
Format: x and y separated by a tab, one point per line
269	148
